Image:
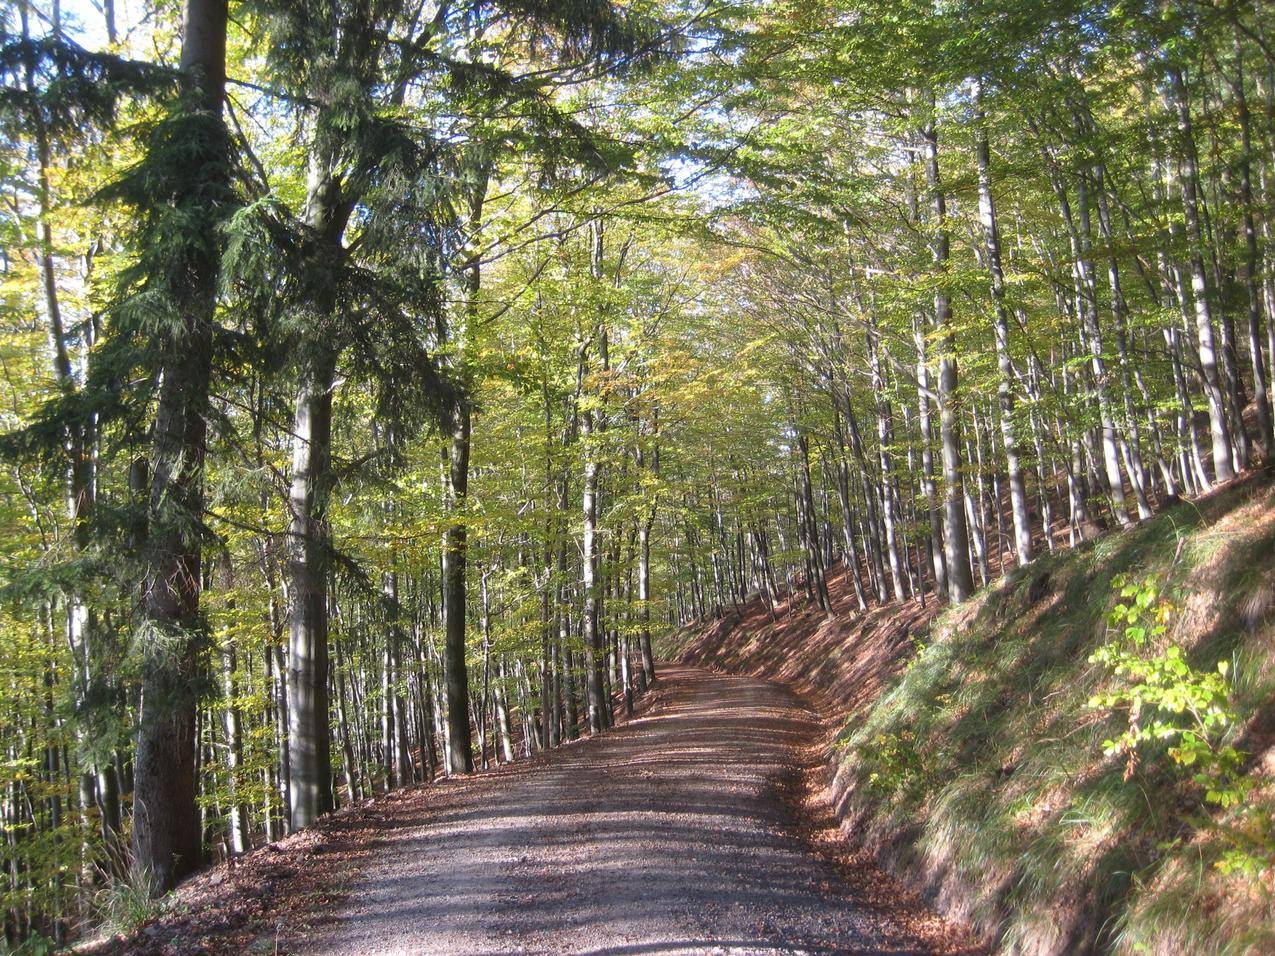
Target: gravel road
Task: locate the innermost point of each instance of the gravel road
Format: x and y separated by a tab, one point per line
671	834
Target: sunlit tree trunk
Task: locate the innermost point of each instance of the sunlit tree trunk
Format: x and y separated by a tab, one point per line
1004	364
960	580
593	650
1131	438
309	544
645	523
1188	179
1252	261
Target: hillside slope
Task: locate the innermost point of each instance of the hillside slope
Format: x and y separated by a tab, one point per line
976	760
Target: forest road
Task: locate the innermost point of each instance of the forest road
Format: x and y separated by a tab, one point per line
670	834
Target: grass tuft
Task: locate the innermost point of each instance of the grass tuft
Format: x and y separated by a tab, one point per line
125	905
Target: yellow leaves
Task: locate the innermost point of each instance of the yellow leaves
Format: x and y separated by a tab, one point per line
715	268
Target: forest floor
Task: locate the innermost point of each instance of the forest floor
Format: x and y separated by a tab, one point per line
700	825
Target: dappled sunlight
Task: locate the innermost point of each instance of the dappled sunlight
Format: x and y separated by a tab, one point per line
671	834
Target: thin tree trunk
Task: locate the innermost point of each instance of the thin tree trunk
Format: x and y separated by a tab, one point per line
1252	261
1219	428
232	724
1004	365
460	755
960	580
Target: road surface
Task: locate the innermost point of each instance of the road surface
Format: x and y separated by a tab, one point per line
671	834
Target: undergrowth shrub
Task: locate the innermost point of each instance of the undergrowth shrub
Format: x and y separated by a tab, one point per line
897	765
1187	714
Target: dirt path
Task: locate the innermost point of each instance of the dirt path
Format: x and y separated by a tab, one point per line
669	835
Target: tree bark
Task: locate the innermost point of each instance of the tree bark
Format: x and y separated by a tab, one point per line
960	579
1252	261
589	579
166	832
309	751
1188	178
1004	364
460	752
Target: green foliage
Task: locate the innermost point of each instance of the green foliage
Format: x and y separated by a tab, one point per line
1193	711
54	84
897	766
1166	700
408	196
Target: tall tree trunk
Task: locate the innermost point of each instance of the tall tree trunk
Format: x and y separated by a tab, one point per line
599	706
645	523
1080	235
1131	439
1252	261
566	658
1188	179
81	477
644	596
460	751
352	789
503	724
929	486
960	579
460	756
885	437
810	528
166	833
589	579
309	545
1004	365
232	724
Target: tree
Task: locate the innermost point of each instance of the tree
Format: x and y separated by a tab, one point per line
187	165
